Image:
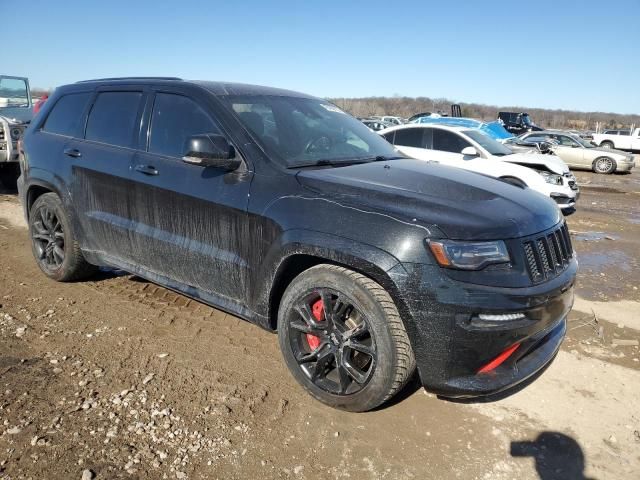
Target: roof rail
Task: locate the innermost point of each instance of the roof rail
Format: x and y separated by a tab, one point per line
128	78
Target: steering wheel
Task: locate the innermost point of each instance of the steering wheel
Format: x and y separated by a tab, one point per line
318	144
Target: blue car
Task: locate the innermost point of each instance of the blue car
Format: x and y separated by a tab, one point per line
493	129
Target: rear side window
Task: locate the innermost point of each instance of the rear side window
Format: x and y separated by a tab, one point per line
174	119
389	136
113	117
409	137
65	115
448	141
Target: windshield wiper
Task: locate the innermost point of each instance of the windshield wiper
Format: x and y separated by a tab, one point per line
328	163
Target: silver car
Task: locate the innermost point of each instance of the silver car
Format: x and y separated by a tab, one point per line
579	153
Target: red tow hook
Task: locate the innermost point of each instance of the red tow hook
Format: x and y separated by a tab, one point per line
496	362
317	309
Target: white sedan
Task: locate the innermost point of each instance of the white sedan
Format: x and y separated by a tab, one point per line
473	150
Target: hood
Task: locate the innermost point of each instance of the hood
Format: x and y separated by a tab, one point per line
461	204
612	151
532	160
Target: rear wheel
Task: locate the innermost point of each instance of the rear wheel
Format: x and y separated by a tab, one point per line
53	243
342	338
604	165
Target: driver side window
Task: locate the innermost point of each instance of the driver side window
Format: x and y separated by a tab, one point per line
174	119
446	141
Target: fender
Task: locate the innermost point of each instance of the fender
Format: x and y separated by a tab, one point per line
54	183
314	247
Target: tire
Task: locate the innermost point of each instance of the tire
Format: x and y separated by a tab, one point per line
364	335
9	173
53	243
604	165
606	144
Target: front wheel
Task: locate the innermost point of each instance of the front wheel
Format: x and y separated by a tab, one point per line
606	144
342	338
604	165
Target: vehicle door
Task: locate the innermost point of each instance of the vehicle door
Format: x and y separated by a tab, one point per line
410	141
190	220
448	146
572	152
635	140
101	183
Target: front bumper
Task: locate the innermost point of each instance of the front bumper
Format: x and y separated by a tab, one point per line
625	166
451	345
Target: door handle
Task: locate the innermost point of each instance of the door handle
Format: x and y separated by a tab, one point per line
146	169
72	152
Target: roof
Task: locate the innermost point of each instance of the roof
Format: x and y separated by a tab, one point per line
217	88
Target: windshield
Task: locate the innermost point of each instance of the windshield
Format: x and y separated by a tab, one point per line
583	142
298	132
526	120
13	92
489	144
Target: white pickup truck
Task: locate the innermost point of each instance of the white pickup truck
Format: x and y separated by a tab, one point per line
16	111
621	141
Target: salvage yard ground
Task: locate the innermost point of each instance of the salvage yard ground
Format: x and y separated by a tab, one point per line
129	380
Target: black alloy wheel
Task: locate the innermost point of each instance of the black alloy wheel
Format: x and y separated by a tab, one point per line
331	342
48	238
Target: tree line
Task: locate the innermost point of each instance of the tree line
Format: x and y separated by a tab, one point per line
406	106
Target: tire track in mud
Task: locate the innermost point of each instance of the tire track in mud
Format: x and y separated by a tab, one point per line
179	323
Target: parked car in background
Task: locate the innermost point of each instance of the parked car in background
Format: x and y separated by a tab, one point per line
517	122
579	153
282	209
16	111
392	120
375	125
494	129
415	117
471	149
617	132
621	140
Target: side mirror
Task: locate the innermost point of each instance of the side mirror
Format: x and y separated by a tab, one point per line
470	152
210	150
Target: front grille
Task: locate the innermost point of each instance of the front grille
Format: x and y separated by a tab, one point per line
549	254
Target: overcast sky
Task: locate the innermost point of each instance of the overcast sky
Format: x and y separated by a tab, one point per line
550	54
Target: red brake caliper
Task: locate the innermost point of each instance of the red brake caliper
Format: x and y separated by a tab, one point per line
317	309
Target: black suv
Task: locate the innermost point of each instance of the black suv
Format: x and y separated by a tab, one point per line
518	122
285	211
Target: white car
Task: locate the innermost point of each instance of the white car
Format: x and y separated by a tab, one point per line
473	150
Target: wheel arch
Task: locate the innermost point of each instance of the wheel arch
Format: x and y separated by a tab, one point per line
311	249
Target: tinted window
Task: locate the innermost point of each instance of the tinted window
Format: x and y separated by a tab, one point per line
174	119
113	117
536	138
389	136
448	141
65	114
409	137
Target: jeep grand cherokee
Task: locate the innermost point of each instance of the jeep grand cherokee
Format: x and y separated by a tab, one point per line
283	210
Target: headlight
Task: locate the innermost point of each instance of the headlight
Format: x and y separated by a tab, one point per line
468	255
551	178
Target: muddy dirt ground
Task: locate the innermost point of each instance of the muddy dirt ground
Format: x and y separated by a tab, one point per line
119	378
